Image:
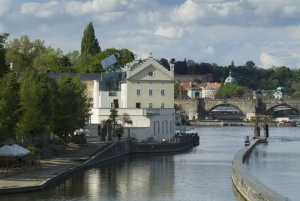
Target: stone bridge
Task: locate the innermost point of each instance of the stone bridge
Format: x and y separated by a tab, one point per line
199	108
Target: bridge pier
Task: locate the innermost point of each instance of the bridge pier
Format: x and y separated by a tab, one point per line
199	108
257	127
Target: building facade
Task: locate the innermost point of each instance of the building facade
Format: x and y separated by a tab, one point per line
145	92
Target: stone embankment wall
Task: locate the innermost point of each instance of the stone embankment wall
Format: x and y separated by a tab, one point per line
248	186
115	150
160	147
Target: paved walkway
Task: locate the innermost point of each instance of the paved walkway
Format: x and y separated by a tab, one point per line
75	155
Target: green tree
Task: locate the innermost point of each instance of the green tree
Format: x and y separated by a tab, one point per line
3	66
92	64
123	119
191	67
22	52
70	106
123	55
250	64
228	90
113	118
48	59
164	62
177	90
9	106
34	103
89	42
296	94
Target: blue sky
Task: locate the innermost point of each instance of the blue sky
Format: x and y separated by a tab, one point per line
266	32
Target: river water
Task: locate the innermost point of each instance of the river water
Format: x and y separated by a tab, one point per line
201	173
277	163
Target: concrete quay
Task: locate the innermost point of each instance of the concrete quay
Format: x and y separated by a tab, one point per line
248	186
52	170
58	169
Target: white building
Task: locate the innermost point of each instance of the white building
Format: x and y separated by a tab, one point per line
194	91
145	92
211	90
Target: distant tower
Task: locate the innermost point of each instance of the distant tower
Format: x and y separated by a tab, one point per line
230	79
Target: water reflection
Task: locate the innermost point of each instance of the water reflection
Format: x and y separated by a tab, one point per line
202	173
277	163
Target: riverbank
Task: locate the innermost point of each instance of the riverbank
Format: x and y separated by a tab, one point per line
237	123
77	158
248	186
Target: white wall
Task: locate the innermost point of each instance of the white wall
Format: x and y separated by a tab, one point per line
105	100
156	99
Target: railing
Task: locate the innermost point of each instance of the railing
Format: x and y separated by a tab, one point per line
151	112
18	168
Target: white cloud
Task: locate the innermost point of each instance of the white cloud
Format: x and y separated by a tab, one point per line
78	8
41	10
4	6
213	31
150	17
267	61
209	50
288	8
108	17
188	12
169	32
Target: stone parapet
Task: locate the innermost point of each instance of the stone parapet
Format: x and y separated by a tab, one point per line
248	186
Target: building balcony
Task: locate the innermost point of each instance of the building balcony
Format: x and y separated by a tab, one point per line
151	112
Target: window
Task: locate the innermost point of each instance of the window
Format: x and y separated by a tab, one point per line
138	92
158	128
91	94
150	92
112	93
162	105
166	126
138	105
150	74
162	127
170	126
150	105
154	127
162	92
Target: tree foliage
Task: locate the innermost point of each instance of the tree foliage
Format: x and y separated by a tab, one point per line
34	104
3	66
177	90
123	119
70	106
48	59
227	91
9	106
89	42
22	52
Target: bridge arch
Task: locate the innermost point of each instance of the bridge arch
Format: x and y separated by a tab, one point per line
225	105
285	105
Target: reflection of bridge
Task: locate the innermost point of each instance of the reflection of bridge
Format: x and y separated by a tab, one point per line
199	108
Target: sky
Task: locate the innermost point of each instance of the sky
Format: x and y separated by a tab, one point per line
266	32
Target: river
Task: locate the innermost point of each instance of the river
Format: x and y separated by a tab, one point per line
201	173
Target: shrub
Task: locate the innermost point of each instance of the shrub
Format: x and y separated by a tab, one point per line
33	149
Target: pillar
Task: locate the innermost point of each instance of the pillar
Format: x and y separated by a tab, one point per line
96	94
